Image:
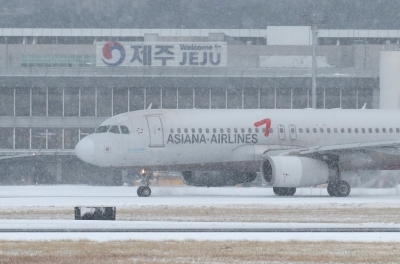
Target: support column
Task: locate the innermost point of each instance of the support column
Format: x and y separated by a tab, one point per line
389	80
59	170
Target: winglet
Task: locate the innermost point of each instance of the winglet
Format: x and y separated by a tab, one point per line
364	106
150	106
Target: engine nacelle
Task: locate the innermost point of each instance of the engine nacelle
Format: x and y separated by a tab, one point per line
293	171
217	178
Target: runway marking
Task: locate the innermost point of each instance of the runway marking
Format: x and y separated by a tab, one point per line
202	230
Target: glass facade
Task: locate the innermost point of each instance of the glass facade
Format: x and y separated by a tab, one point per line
41	138
40	60
105	102
6	102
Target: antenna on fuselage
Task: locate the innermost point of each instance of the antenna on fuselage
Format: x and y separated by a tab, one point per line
364	106
150	106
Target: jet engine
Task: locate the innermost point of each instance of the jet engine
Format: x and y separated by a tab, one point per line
217	178
293	171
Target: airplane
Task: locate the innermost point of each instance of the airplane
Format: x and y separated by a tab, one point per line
290	148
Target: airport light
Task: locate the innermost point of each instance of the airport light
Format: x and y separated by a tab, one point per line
143	172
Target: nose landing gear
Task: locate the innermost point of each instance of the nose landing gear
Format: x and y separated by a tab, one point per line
144	190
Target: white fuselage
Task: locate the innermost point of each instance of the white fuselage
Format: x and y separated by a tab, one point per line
198	139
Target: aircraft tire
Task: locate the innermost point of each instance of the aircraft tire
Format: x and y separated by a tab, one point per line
291	191
339	189
331	189
277	191
144	191
343	189
139	191
284	191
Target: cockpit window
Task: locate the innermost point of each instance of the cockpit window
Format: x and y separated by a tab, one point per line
114	129
124	130
102	129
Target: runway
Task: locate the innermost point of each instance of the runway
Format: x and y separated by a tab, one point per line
189	213
192	196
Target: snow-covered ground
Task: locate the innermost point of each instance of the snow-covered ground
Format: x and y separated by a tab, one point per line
275	236
124	196
305	201
41	225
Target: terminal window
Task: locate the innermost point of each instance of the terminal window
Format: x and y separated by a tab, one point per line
57	61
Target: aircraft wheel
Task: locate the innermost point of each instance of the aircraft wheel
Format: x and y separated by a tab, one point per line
277	191
339	189
139	191
144	191
284	191
331	189
291	191
343	189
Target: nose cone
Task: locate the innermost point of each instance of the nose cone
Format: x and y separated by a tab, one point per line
85	150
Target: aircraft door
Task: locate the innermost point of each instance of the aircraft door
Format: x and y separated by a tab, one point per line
292	132
155	131
281	131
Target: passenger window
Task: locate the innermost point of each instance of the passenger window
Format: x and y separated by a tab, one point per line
328	130
263	130
383	130
300	130
256	130
342	130
250	130
200	130
355	130
235	130
397	130
363	130
193	130
214	130
221	130
322	130
335	130
377	130
314	130
179	130
349	130
186	130
207	130
228	130
242	130
370	130
271	130
307	130
292	130
390	130
280	130
171	130
114	129
102	129
124	130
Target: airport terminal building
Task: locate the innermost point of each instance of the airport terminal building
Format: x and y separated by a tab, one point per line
58	84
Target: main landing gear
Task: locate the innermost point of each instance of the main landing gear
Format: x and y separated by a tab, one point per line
144	190
338	188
